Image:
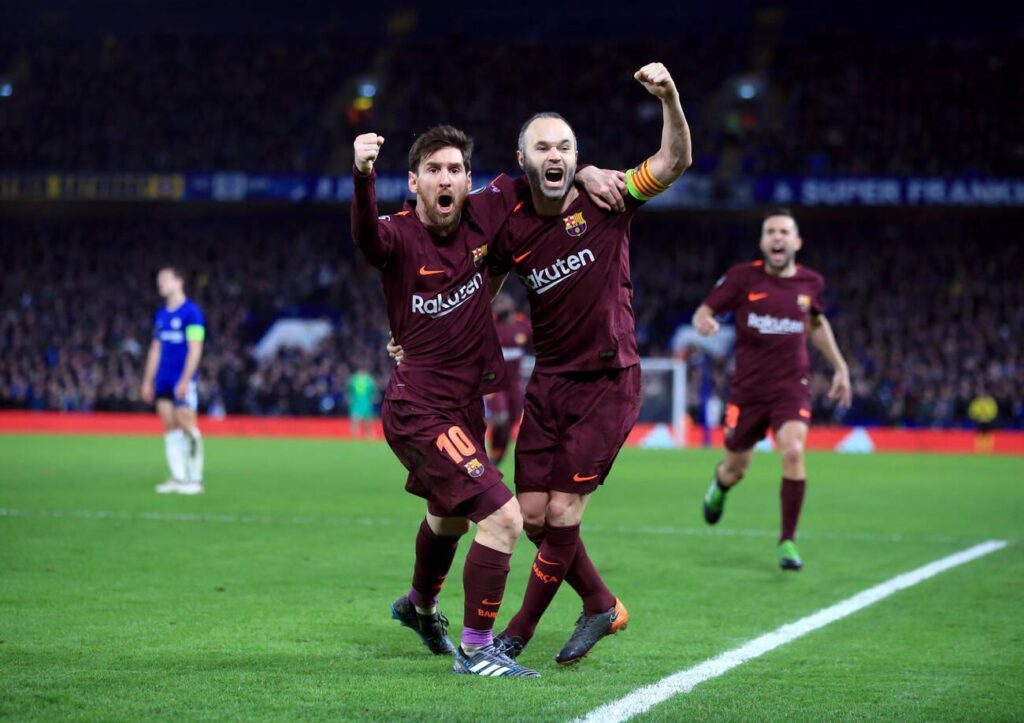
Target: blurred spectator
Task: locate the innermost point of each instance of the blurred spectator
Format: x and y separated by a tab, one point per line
77	299
827	104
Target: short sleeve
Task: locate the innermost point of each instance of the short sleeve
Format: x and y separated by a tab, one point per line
727	293
491	205
195	325
156	326
196	317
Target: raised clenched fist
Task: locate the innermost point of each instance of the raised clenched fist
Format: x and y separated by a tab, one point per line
367	147
657	80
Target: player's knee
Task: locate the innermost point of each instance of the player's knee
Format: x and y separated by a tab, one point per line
793	453
533	519
562	513
505	523
533	507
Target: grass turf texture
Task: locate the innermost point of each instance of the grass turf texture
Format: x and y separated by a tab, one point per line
274	603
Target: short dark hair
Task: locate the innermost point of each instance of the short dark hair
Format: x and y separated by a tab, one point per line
437	138
175	270
538	116
780	212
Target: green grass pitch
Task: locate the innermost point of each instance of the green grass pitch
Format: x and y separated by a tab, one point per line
268	597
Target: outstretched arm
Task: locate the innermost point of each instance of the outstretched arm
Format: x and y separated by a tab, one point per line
825	341
675	154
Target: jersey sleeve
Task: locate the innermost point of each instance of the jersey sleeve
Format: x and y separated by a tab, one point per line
156	326
727	294
195	327
374	239
492	204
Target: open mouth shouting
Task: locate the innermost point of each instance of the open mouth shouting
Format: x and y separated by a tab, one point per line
777	254
445	203
554	177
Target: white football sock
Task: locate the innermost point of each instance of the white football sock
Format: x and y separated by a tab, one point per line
193	446
174	448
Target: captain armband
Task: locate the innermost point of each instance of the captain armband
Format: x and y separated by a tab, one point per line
641	184
195	332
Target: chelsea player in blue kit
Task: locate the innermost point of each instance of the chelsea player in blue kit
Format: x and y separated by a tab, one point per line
170	379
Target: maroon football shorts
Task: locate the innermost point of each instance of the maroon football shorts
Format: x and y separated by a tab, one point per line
747	424
573	428
443	449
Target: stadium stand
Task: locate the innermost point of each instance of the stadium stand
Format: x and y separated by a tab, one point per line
927	323
831	104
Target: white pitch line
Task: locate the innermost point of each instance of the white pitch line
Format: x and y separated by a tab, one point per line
251	519
643	699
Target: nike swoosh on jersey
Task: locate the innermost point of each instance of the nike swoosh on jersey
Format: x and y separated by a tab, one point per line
517	259
756	297
424	271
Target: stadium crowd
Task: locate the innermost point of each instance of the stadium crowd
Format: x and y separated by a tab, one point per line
927	323
825	105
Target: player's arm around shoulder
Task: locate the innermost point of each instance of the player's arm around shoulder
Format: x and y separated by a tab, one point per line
675	155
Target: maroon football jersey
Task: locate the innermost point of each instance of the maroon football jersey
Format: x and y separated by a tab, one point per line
514	336
772	317
575	268
436	290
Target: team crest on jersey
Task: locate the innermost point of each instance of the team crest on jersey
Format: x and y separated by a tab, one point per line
804	302
175	323
575	225
479	253
474	468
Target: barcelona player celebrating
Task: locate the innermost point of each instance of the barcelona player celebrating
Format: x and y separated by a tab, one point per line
584	395
432	260
778	305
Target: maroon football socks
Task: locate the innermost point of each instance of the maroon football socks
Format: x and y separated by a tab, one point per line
555	556
583	577
483	578
434	555
791	495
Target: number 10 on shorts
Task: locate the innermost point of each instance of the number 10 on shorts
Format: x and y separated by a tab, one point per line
456	444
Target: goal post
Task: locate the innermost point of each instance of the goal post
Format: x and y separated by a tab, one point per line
663	400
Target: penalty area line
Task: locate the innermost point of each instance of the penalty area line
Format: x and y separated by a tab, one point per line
643	699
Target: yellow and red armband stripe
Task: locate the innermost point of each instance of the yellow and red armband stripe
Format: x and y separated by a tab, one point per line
641	183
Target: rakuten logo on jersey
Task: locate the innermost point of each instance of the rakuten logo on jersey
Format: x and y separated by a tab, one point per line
543	280
773	325
447	302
